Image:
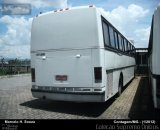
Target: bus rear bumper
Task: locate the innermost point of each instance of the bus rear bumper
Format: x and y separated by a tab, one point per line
77	97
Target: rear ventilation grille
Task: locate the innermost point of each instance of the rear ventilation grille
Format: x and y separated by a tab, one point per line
109	82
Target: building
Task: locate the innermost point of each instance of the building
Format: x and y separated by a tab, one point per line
141	60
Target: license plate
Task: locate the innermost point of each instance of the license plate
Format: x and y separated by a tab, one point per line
61	77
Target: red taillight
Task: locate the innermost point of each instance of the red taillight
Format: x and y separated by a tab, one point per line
33	74
98	74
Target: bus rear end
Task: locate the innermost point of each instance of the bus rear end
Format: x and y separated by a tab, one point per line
63	45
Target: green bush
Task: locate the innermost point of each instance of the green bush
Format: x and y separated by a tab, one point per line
5	71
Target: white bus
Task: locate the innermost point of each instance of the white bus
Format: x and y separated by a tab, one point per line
153	57
78	55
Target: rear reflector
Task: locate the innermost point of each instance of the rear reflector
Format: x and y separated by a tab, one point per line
98	74
33	74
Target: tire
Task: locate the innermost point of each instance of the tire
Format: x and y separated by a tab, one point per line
120	86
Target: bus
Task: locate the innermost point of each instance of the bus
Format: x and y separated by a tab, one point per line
153	58
78	55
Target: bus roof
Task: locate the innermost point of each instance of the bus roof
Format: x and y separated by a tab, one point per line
65	29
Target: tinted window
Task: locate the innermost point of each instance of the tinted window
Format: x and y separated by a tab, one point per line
120	42
132	47
131	51
116	40
125	45
111	34
129	46
105	34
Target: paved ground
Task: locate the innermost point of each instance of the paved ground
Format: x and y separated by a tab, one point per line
16	102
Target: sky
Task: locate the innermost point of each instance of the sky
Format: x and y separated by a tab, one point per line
131	17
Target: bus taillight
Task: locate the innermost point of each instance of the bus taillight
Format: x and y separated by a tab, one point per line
98	74
33	74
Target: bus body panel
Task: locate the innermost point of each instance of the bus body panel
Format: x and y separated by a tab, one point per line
115	66
74	64
153	58
66	29
156	42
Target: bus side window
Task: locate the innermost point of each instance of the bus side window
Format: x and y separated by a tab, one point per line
120	42
111	35
132	50
105	34
123	48
129	48
116	40
125	44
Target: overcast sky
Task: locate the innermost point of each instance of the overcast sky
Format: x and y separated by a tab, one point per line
131	17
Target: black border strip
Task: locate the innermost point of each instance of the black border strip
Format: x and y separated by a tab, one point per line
64	92
114	69
155	75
